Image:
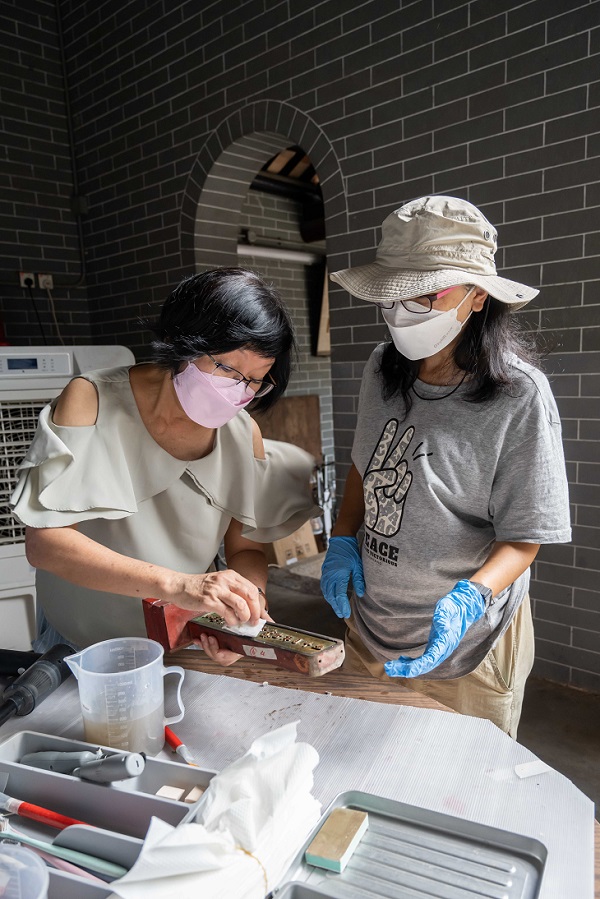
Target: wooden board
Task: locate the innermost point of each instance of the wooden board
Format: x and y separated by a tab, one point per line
294	419
338	682
324	336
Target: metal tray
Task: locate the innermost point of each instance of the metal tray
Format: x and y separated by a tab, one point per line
412	853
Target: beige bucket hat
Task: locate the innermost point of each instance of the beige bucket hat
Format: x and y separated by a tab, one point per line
427	245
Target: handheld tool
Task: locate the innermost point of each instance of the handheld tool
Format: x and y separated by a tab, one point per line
15	661
287	647
112	767
36	683
35	812
88	765
173	741
99	865
59	762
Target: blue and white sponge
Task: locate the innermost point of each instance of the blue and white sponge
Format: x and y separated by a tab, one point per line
337	839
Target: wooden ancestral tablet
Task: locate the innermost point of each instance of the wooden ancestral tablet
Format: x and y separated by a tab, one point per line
297	650
291	648
167	624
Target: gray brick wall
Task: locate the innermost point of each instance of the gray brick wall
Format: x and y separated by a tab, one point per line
277	219
497	102
39	229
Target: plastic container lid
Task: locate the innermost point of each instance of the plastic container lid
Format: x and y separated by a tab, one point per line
23	875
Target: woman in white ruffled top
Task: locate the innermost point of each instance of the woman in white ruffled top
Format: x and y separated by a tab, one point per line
137	474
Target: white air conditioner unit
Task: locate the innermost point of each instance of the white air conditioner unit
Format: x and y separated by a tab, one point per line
29	378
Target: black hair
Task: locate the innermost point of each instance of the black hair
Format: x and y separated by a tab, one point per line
483	352
221	310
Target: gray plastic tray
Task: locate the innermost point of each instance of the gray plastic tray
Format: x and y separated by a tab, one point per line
412	853
119	813
68	886
125	805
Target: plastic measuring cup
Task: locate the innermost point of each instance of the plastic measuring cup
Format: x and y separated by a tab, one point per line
122	694
23	875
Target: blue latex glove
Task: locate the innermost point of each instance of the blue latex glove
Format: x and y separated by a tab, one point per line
453	615
341	563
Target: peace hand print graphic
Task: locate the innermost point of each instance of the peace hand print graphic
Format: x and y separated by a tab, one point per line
387	482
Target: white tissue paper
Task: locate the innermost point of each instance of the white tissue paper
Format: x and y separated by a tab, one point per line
251	822
246	630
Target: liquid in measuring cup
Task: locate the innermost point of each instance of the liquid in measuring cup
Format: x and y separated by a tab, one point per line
143	734
121	692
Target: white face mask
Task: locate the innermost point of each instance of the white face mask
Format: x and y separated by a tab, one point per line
420	336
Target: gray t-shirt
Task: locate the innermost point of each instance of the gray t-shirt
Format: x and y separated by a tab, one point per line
440	487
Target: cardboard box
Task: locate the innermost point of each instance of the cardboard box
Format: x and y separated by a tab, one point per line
298	546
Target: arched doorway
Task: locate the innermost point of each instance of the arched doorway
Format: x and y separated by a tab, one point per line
225	223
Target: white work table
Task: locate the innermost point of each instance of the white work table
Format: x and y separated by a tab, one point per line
424	756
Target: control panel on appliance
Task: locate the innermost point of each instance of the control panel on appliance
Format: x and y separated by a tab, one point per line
35	363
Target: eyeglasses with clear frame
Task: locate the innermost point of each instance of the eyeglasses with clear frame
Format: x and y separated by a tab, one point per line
254	386
419	305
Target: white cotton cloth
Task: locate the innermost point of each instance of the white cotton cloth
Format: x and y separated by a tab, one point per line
244	836
246	630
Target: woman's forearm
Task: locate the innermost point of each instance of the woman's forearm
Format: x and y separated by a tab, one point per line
71	555
251	564
352	510
506	562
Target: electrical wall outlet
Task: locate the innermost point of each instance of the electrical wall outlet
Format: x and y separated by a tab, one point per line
26	279
46	282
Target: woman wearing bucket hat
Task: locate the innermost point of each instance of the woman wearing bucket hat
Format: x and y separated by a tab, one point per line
458	472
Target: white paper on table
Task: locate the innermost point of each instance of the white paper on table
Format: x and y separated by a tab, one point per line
251	821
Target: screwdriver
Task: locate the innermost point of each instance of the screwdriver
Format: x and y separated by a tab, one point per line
36	683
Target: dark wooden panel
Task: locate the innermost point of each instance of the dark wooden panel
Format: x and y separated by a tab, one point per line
295	419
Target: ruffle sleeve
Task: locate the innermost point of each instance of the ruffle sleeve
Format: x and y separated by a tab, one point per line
282	493
108	470
71	474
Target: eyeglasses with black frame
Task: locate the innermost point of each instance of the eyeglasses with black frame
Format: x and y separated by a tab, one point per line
419	305
261	388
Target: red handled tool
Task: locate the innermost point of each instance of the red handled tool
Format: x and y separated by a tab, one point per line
180	748
36	812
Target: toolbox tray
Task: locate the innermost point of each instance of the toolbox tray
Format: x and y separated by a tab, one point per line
409	852
68	886
119	813
129	804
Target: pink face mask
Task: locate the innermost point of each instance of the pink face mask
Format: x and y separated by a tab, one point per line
207	399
